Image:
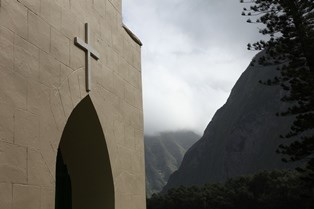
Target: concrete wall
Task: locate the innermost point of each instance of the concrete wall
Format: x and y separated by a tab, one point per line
42	79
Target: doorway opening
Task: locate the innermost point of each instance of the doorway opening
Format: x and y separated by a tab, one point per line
83	171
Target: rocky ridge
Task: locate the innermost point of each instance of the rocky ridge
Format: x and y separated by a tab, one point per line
243	135
163	155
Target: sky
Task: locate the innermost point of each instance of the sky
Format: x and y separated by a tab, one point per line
193	53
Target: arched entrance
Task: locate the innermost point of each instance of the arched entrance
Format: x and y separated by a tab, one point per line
83	173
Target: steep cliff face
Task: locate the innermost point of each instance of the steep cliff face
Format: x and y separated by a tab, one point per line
163	155
243	135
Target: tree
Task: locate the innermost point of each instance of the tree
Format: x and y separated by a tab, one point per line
288	26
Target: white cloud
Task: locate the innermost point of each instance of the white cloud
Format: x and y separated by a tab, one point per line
193	53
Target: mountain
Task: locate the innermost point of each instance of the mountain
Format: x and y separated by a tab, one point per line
243	135
163	155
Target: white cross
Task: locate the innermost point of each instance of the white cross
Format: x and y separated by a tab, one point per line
89	52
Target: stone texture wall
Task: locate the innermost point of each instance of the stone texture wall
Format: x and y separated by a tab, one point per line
42	79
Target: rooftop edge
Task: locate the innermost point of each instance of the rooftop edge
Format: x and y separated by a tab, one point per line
132	35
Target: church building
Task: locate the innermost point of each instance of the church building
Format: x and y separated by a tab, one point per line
71	113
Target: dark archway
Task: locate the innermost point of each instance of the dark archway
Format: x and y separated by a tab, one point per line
63	185
83	156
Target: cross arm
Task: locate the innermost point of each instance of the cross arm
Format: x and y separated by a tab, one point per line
80	43
94	53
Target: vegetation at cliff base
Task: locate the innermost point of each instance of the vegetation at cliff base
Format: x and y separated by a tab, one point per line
266	190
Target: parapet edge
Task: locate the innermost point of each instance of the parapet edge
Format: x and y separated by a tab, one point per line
132	35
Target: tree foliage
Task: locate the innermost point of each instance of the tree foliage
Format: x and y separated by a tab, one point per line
288	26
271	190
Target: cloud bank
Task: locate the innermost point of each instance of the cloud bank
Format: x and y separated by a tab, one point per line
193	53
